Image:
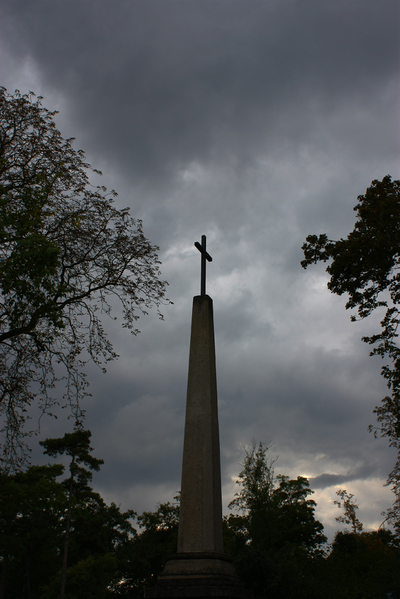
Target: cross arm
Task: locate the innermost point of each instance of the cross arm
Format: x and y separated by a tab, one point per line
203	251
204	256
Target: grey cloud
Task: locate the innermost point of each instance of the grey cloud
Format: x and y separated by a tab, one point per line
255	123
367	471
328	480
198	81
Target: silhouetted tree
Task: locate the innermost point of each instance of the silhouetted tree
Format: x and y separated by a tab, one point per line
366	265
147	552
36	511
363	565
67	255
350	510
77	446
31	529
275	539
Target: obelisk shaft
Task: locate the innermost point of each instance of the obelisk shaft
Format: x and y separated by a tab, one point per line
199	569
200	527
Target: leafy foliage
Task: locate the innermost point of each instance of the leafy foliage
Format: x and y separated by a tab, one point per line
350	510
275	539
76	445
67	255
148	551
30	528
366	266
365	263
38	514
363	564
87	579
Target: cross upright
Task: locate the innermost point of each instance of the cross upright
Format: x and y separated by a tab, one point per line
204	256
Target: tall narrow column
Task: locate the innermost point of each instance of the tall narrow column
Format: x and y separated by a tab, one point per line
200	527
199	569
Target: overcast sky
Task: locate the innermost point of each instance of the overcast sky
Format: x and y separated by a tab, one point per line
255	123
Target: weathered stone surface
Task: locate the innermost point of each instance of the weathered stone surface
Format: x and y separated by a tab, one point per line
200	521
200	569
199	592
192	568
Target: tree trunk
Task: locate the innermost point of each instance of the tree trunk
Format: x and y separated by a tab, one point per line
27	577
3	577
67	527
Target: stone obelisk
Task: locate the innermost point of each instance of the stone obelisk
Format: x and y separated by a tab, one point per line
200	568
200	521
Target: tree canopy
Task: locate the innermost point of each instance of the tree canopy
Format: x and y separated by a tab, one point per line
363	564
275	539
77	446
68	256
366	266
350	510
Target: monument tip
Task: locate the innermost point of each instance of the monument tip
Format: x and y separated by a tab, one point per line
204	256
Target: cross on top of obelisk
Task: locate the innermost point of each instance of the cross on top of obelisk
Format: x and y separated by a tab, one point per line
204	256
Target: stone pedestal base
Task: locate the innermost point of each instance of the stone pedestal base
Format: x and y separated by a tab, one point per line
200	576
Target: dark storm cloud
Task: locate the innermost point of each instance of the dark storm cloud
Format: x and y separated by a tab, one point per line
257	123
161	84
329	480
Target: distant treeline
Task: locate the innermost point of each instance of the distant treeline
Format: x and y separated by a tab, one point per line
58	538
